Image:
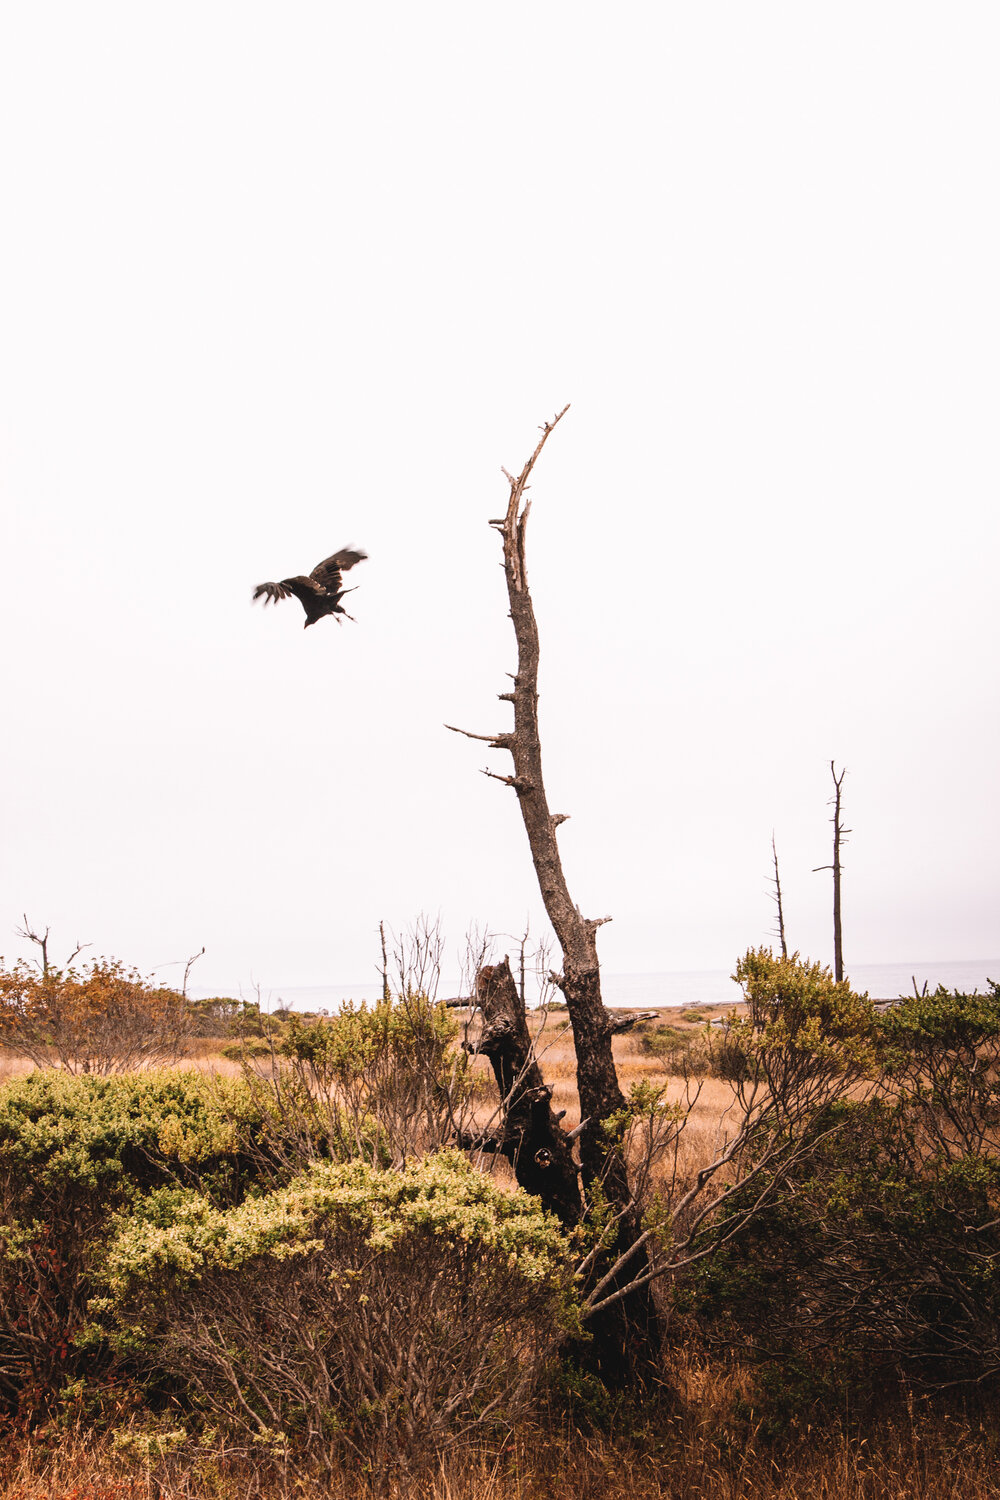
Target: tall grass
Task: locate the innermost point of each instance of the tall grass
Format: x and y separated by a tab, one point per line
693	1456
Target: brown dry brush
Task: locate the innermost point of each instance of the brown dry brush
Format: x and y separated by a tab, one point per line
914	1457
384	1081
100	1017
712	1439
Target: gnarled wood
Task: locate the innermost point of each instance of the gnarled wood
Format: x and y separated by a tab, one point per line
530	1136
580	981
626	1334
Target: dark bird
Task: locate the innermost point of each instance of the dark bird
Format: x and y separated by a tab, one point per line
319	594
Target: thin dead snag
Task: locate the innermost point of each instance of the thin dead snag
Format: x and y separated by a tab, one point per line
580	981
776	898
839	837
41	940
628	1335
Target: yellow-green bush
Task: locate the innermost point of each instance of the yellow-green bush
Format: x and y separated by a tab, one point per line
379	1308
382	1081
73	1151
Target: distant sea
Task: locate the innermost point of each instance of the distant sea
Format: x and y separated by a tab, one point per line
639	991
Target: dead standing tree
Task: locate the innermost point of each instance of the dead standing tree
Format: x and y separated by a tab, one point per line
839	837
776	898
626	1333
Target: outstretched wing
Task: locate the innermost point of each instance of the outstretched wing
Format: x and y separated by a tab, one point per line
288	588
327	573
271	592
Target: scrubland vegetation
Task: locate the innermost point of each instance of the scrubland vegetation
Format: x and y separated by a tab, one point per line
281	1256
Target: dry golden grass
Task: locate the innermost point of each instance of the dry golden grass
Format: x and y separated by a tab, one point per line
204	1053
554	1043
696	1449
696	1454
12	1066
711	1097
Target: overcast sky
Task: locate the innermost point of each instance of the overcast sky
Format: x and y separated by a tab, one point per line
280	277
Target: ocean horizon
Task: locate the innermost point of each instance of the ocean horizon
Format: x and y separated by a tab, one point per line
885	981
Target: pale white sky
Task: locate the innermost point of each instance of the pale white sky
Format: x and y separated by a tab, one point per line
276	278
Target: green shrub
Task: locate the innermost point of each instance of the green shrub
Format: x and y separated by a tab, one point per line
727	1058
371	1045
679	1051
942	1052
695	1053
383	1309
663	1039
74	1150
802	1028
221	1016
247	1050
798	1006
381	1081
880	1250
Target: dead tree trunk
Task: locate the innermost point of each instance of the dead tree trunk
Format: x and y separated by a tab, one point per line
529	1134
624	1343
839	837
777	900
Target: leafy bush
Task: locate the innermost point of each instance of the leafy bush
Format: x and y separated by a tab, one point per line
662	1040
880	1250
248	1049
679	1051
73	1150
383	1309
798	1006
101	1018
221	1016
941	1055
727	1057
802	1029
378	1081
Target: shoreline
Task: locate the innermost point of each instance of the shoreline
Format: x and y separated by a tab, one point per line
643	991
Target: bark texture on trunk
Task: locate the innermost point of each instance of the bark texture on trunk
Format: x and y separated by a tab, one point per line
626	1337
530	1136
580	980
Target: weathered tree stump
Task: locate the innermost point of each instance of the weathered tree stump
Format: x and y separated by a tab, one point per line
529	1135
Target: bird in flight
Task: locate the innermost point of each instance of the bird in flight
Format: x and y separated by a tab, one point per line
319	594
